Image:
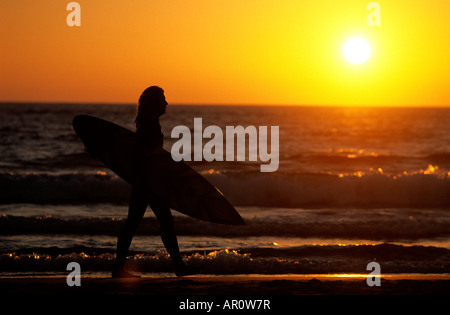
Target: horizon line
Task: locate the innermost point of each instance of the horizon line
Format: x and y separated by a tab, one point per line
232	104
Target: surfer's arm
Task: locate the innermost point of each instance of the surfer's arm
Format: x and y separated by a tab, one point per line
150	135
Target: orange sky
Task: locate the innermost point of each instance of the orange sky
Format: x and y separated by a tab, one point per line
225	52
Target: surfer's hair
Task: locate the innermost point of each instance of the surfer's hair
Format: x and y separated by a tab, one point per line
147	99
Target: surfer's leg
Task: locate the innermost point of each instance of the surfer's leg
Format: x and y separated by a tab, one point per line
136	211
169	239
167	231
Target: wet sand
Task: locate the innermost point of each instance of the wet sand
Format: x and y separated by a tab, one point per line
230	285
286	294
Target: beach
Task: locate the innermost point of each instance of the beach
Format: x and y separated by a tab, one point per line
236	293
248	285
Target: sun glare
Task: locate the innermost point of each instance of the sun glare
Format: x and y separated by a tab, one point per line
356	51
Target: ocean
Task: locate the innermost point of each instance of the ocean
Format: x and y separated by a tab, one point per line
354	185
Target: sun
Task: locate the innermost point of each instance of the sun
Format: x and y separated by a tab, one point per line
356	51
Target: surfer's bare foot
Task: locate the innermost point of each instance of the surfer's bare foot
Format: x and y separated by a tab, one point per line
120	272
184	270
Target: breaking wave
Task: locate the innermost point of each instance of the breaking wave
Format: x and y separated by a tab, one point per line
296	260
368	224
309	190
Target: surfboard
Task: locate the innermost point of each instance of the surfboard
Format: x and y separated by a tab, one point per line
174	184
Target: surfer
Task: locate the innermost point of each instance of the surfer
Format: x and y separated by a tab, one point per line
152	105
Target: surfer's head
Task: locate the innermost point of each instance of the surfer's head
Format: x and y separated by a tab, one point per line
152	104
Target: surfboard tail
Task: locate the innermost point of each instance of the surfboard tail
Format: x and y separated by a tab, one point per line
81	125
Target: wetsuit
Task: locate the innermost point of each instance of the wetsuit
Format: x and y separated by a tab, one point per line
149	138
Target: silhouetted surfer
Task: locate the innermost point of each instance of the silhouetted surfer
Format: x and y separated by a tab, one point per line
152	105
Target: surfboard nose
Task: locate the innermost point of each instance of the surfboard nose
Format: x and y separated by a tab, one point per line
228	215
